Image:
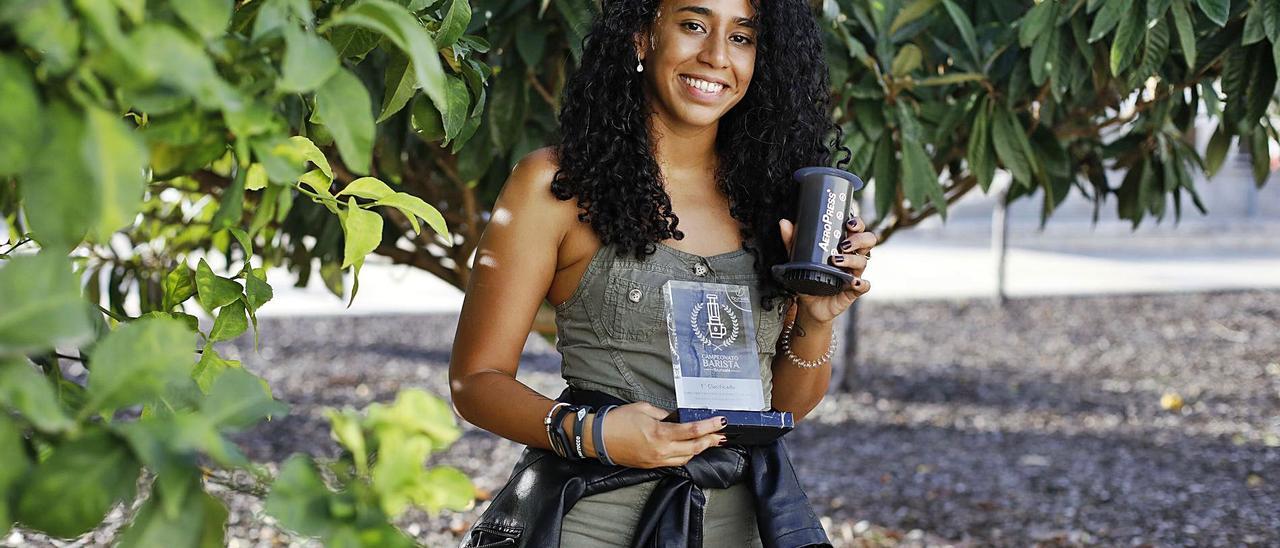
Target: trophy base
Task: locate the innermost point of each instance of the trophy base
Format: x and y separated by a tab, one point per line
745	427
812	278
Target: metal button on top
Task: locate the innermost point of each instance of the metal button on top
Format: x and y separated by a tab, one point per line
699	269
634	295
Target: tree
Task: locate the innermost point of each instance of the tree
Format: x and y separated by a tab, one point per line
935	95
140	138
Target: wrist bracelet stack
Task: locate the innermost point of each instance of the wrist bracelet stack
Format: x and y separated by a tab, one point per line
806	364
572	447
597	435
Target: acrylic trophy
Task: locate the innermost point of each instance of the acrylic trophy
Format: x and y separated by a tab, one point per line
716	362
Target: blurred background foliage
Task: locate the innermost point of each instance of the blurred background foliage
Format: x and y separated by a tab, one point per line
162	154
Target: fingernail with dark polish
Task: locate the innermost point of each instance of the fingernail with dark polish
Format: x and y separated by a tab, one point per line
845	245
853	223
724	421
837	258
857	283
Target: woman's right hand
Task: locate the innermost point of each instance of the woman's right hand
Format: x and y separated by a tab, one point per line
636	436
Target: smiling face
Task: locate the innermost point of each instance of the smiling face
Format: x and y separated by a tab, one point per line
698	59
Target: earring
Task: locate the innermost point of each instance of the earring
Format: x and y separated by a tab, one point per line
639	65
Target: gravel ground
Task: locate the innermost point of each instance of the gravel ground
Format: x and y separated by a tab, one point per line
1051	421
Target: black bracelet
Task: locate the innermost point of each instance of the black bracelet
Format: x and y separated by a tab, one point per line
578	421
597	435
561	444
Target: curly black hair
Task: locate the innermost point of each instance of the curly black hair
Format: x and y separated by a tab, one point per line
606	163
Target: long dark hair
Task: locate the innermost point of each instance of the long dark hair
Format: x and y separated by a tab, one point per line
606	163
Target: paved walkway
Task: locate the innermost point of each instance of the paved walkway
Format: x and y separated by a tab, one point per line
949	262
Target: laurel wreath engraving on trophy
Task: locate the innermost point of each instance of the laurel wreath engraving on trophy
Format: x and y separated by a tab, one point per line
709	337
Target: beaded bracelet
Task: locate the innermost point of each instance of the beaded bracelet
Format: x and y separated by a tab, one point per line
597	435
806	364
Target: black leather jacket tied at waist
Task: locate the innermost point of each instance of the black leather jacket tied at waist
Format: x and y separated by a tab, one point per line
543	488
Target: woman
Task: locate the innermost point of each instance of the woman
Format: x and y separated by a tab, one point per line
679	135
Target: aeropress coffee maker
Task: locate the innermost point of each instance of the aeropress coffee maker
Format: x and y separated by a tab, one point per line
825	193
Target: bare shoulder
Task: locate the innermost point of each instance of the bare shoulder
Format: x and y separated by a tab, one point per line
526	196
531	177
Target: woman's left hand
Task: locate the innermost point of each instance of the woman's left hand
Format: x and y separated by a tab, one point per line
851	256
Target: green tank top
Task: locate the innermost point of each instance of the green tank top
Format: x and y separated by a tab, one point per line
612	333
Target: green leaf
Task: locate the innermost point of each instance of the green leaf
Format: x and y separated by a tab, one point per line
510	108
577	15
20	117
199	522
136	362
1260	156
208	18
398	470
885	169
416	412
256	177
309	61
214	291
42	304
135	10
444	487
299	499
101	16
1254	29
312	153
920	181
175	60
1270	12
346	429
47	28
1110	14
427	122
907	59
1036	22
1043	53
231	322
343	104
1186	32
1006	134
454	23
231	205
399	86
950	78
16	466
964	26
25	390
1216	10
1157	8
413	207
457	108
367	187
257	291
403	29
1129	34
363	230
236	401
911	12
179	285
60	207
86	477
531	44
117	159
210	368
978	154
